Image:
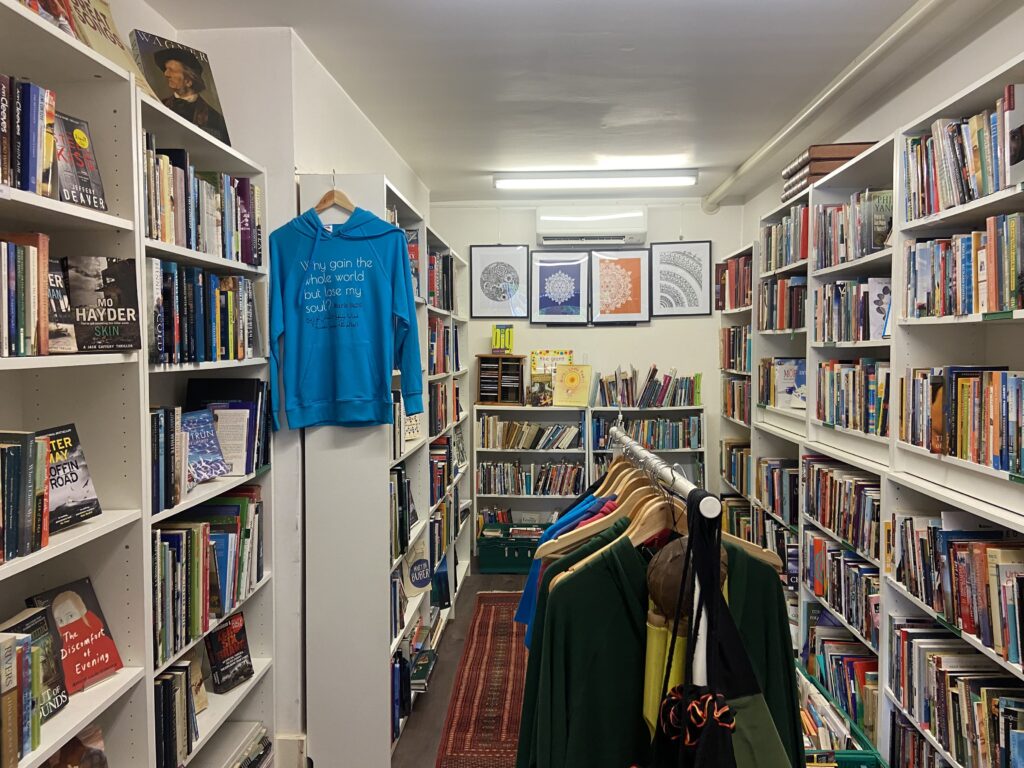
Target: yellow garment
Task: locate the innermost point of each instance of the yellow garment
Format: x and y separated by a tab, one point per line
658	637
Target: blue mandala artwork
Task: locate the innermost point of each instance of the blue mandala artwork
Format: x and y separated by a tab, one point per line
559	287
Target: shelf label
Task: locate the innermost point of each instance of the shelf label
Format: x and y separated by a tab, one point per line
1004	315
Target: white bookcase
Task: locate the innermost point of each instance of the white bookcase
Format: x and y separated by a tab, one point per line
693	460
911	478
348	530
107	397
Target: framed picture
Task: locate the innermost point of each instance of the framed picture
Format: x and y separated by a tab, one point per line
620	290
681	278
500	281
559	287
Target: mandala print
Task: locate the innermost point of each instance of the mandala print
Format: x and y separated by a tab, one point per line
680	277
559	287
616	287
499	281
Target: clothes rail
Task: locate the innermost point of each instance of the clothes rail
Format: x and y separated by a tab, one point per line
663	472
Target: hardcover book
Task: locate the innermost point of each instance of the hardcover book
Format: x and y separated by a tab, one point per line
72	493
182	79
228	651
89	653
40	624
205	459
572	385
78	171
94	25
104	302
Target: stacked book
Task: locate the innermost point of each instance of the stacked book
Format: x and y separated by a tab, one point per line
439	411
963	159
512	478
854	395
221	539
825	728
738	519
777	487
222	430
623	389
440	469
439	346
847	583
816	162
969	704
525	435
852	310
971	574
733	281
981	271
782	382
736	399
737	467
214	213
973	413
653	434
735	348
47	488
782	302
845	232
201	316
844	501
403	510
785	243
51	305
440	283
843	667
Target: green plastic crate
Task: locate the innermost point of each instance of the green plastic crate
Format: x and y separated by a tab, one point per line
504	554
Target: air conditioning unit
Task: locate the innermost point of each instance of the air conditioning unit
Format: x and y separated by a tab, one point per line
591	225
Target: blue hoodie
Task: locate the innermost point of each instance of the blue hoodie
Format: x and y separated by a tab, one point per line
341	296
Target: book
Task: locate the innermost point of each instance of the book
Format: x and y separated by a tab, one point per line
87	748
227	648
571	385
33	299
10	723
73	497
60	318
77	171
821	152
89	653
205	459
104	303
1014	131
40	624
182	80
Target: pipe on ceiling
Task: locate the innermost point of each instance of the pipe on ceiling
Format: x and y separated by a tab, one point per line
900	29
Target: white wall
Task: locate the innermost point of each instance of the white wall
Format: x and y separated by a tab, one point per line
332	132
966	63
689	344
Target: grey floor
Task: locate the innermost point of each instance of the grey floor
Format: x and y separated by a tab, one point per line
418	746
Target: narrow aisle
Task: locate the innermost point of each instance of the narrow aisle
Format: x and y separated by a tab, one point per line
418	746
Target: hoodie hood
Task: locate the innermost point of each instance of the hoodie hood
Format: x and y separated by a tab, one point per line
361	225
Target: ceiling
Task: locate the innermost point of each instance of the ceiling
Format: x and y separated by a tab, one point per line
464	88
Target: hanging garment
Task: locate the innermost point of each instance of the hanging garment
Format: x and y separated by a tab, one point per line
655	660
758	606
341	299
590	694
723	722
526	756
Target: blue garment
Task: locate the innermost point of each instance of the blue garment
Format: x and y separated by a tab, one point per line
342	299
528	601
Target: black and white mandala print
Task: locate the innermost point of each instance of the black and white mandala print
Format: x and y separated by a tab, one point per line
681	277
499	281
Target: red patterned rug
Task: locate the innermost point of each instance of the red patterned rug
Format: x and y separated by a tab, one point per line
482	726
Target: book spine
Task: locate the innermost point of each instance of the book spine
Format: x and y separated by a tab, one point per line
6	132
8	702
29	128
42	297
5	305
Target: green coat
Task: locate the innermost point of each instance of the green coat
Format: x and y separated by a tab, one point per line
591	681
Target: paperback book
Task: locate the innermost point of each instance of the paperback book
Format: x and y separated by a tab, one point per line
205	459
73	497
104	302
228	651
78	170
41	626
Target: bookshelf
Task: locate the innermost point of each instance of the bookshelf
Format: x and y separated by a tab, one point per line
735	354
347	478
108	396
913	481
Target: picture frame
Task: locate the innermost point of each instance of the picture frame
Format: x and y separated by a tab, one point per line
681	278
620	288
559	287
499	282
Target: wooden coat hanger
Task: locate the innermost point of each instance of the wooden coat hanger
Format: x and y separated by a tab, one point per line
335	197
619	465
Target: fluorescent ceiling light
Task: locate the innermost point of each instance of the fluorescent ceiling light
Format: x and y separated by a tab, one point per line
636	162
559	180
601	217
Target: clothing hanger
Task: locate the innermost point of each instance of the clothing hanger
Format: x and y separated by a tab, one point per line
619	465
335	197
